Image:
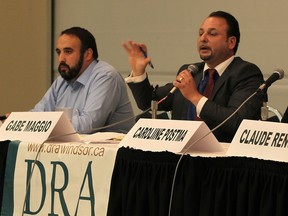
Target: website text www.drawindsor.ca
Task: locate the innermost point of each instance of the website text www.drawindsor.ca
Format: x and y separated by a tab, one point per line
75	149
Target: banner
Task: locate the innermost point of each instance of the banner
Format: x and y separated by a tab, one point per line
67	178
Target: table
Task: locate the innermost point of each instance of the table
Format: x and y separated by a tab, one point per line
224	186
141	183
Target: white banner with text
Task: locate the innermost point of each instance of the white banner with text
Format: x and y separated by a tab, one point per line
67	179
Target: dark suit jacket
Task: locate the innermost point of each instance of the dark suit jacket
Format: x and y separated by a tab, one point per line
240	80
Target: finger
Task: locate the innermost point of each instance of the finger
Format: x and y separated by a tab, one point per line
182	74
186	74
143	46
179	79
176	83
134	46
126	47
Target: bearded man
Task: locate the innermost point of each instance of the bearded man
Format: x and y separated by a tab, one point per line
92	88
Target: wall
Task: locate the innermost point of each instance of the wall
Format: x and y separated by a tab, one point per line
24	53
170	28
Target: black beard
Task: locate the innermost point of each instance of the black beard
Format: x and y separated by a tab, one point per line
73	72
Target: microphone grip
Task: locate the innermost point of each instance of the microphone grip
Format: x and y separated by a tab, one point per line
173	90
154	108
264	112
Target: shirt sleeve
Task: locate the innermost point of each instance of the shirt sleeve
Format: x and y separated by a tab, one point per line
135	79
200	105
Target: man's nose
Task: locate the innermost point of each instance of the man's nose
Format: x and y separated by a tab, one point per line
61	58
203	37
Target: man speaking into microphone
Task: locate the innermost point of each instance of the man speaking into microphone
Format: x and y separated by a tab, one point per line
222	83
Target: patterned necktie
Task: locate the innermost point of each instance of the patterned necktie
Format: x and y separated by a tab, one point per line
205	87
212	77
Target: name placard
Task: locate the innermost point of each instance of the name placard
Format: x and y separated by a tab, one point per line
260	139
37	127
171	135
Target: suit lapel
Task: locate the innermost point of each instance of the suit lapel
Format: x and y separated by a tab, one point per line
222	79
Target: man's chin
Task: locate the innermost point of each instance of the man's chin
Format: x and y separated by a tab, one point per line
65	76
204	57
69	75
205	54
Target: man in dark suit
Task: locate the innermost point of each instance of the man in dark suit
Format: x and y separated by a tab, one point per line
234	80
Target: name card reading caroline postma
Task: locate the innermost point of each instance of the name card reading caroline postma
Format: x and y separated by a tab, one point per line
261	139
37	127
171	135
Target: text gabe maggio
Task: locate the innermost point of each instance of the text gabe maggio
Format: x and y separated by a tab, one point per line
28	126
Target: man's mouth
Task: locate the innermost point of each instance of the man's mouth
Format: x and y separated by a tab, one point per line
204	48
63	67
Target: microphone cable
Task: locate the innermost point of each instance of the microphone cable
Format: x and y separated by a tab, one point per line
205	135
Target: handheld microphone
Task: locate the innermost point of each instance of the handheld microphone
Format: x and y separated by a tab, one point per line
276	75
193	69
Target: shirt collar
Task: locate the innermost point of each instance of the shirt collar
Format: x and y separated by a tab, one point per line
221	67
84	77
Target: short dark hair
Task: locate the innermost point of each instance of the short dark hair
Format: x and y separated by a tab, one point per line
86	38
233	26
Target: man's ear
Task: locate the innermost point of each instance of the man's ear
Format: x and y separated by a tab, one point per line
232	42
89	54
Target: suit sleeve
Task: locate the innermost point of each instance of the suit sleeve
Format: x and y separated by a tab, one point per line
142	93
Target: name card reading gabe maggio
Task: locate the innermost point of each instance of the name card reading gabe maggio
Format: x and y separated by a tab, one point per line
261	139
28	126
37	127
171	135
